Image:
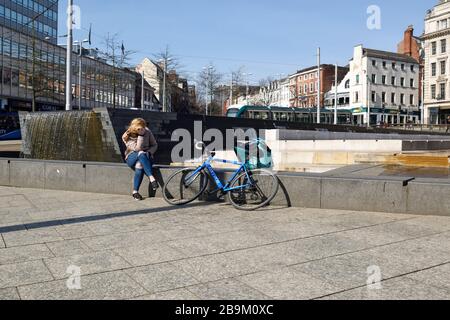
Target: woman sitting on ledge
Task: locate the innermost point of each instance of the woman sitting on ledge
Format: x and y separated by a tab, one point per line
141	146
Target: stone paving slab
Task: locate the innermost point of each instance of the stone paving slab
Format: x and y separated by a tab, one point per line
68	248
149	250
105	286
228	289
24	254
9	294
438	276
287	283
177	294
161	277
151	254
397	289
89	263
27	237
13	275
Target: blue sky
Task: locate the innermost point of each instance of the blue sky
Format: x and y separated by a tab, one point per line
268	37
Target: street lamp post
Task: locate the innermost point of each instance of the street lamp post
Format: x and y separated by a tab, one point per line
142	90
80	62
336	96
247	92
318	86
69	56
368	98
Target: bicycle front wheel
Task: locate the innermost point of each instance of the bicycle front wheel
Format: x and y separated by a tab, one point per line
254	191
185	186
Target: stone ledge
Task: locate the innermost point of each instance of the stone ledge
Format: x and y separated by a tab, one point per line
341	192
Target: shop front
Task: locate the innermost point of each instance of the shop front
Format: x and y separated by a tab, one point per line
387	116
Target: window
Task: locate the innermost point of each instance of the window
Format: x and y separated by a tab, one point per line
384	64
443	66
402	99
412	68
311	87
357	79
383	97
374	63
402	82
442	91
374	96
393	81
356	96
394	65
411	99
403	67
443	46
433	48
433	69
393	98
306	88
374	78
383	79
347	84
433	91
411	83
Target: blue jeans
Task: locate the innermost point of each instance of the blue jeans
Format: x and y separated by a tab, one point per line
147	165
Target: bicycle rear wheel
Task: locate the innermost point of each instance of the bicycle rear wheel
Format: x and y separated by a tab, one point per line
255	193
185	186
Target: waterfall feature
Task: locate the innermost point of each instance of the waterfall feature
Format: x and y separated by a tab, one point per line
71	136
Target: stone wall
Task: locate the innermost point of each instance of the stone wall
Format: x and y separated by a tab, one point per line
338	190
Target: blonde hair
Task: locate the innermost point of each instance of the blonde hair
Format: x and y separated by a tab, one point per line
135	125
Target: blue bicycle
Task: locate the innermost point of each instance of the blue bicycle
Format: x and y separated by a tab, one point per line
249	188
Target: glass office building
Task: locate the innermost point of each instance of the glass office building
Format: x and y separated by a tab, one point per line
38	17
33	65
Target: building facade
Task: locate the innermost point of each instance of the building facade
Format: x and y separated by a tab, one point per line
413	46
437	70
304	85
387	83
150	102
154	75
343	94
38	17
35	69
276	93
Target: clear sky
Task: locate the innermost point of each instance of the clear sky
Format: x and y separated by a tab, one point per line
268	37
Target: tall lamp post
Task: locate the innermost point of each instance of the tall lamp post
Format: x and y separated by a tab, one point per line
247	92
208	92
336	96
318	86
165	61
80	69
368	97
69	56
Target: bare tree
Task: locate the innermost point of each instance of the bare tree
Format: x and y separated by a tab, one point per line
118	57
169	62
208	81
238	79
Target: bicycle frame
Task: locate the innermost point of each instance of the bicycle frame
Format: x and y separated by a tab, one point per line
220	185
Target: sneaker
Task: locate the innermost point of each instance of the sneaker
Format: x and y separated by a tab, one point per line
155	185
137	197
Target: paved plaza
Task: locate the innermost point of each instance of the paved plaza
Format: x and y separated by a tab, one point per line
148	250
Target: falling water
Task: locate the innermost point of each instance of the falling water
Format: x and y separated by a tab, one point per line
72	136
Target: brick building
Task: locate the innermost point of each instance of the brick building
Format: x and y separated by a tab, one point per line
304	85
411	46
